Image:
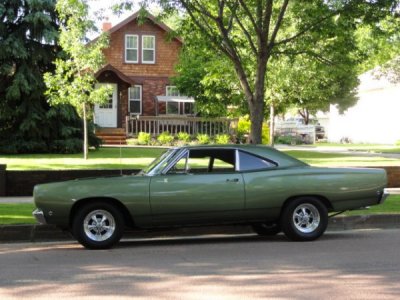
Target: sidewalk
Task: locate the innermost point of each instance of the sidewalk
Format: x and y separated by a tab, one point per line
17	199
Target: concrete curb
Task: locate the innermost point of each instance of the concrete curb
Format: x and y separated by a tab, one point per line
41	233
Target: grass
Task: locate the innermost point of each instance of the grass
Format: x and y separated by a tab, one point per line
104	158
342	160
21	213
16	213
137	158
390	206
372	148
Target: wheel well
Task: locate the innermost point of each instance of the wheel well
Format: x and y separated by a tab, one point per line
122	208
324	201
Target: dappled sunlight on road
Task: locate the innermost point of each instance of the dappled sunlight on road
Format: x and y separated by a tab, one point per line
343	265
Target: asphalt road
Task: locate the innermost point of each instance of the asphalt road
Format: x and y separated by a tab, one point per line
359	264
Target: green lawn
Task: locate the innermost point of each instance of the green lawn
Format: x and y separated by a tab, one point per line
342	160
21	213
104	158
137	158
16	213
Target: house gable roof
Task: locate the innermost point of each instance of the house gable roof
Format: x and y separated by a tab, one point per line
148	16
119	74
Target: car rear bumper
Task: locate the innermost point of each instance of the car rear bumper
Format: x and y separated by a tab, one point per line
39	216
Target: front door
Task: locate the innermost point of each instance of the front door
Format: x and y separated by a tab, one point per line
202	187
105	115
180	199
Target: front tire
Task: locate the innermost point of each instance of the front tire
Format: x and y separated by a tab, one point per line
304	219
98	225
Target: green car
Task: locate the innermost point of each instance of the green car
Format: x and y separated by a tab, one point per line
201	185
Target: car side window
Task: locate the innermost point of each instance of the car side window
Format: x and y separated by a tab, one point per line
249	162
201	161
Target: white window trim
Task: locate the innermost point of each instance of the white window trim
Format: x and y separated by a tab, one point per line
154	49
140	100
126	48
168	87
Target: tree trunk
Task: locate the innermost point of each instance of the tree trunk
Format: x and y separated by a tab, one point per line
85	133
257	118
271	124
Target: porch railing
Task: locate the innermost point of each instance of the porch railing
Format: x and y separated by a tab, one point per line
156	125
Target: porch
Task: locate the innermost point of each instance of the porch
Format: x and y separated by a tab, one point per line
155	125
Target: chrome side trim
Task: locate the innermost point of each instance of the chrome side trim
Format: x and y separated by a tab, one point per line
39	216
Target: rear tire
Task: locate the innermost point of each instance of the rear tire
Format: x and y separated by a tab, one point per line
98	225
304	219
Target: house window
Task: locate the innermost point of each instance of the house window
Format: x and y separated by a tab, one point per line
131	48
148	49
171	107
175	103
135	99
172	90
188	108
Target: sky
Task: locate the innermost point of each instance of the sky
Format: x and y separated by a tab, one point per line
105	7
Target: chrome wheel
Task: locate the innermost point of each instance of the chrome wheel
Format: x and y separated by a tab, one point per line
306	218
99	225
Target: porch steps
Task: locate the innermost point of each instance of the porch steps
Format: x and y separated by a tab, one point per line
112	136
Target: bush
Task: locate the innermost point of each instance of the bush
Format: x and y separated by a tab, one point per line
222	139
243	128
288	140
165	138
265	134
203	139
144	138
398	143
184	137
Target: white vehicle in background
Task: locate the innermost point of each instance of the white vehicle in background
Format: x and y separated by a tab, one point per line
298	131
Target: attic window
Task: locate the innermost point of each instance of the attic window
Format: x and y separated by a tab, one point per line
148	49
131	48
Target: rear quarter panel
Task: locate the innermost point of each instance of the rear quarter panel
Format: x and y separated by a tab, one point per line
345	189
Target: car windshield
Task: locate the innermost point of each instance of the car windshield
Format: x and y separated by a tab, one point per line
159	163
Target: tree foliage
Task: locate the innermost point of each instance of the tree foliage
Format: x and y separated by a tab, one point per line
73	81
249	33
28	45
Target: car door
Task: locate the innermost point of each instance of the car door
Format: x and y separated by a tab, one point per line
197	195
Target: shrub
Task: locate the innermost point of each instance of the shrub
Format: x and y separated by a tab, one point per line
165	138
398	143
184	137
203	139
288	140
265	134
222	139
243	128
144	138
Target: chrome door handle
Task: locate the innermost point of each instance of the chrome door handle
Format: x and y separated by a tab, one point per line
233	180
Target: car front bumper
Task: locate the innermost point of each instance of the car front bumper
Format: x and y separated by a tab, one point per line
39	216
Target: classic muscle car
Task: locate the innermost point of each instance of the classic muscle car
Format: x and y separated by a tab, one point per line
202	185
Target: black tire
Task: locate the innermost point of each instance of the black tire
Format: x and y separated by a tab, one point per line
304	219
98	225
266	229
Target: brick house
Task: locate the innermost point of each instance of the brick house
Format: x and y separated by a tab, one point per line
140	63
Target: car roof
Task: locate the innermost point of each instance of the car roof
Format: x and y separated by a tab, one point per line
284	160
